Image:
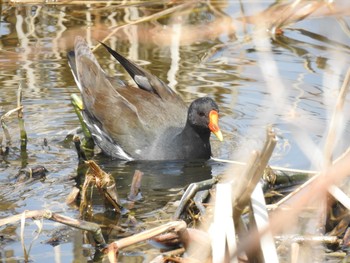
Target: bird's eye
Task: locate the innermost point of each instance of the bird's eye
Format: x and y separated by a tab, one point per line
201	113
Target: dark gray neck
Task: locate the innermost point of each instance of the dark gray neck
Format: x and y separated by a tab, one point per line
195	142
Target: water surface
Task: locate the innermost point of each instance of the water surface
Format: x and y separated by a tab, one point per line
204	49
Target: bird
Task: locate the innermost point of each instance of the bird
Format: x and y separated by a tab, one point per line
146	121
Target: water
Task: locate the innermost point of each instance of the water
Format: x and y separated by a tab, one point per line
210	51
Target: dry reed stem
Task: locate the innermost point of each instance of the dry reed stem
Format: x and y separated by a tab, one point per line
222	230
261	218
244	187
47	214
295	248
4	126
104	183
308	239
114	247
339	195
135	188
336	120
85	203
23	220
277	168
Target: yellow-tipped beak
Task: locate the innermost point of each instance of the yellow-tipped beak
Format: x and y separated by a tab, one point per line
214	124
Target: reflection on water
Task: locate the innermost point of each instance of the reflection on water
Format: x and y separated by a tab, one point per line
200	49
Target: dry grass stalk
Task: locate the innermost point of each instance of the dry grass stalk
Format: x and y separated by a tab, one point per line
276	168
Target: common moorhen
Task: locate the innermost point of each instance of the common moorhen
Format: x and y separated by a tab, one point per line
143	122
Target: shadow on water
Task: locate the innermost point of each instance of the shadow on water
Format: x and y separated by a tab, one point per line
160	174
